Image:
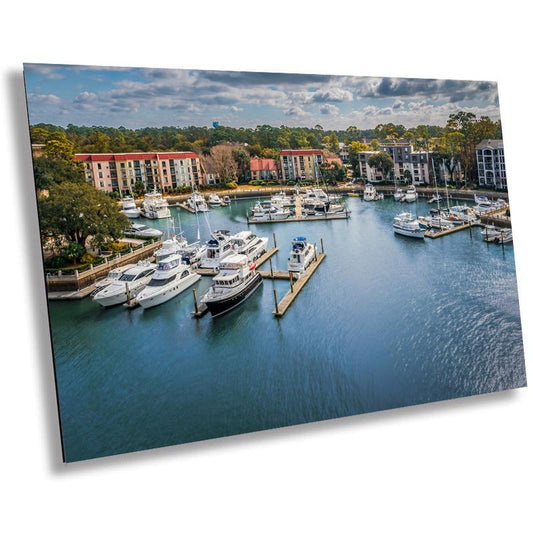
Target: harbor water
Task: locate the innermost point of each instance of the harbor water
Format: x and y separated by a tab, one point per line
385	321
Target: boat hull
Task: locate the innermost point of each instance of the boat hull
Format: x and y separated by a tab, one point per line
223	305
170	292
408	233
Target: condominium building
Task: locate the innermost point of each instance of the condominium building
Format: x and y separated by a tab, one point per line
156	170
263	169
344	152
404	158
300	164
491	164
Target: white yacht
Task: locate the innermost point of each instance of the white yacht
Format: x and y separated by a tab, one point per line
302	253
235	282
170	246
141	230
462	213
482	201
316	193
280	199
129	208
263	212
248	244
130	283
214	200
505	237
112	276
218	247
410	194
370	194
155	206
407	224
227	199
171	277
398	195
197	202
490	233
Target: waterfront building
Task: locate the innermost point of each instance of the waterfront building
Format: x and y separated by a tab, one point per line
344	153
156	170
491	164
405	158
263	169
300	164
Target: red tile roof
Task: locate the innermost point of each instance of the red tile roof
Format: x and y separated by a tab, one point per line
257	163
135	156
301	152
334	160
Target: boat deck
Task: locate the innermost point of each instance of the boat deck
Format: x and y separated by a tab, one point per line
265	257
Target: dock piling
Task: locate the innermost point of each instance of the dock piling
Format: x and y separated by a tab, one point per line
322	244
271	270
276	302
274	237
291	280
315	252
195	301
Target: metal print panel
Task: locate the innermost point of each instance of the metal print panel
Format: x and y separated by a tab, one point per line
228	252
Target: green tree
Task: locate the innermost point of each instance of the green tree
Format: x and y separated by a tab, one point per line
75	211
381	162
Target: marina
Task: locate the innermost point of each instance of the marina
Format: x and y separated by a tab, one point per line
450	299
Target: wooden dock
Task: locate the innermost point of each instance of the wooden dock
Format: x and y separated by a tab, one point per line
186	207
281	307
440	233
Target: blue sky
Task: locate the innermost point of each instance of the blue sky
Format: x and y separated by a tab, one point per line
139	97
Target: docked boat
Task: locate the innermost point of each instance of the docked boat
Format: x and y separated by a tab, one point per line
217	247
196	202
407	224
410	194
170	279
491	233
155	206
129	208
320	208
435	198
112	276
248	244
128	285
235	282
398	195
302	253
463	213
170	246
370	194
141	230
227	200
214	200
262	212
482	201
505	237
281	200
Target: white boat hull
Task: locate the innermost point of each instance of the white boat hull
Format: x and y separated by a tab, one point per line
132	213
415	234
154	215
119	297
149	299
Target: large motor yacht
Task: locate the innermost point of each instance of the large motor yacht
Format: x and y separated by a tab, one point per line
370	194
235	283
129	208
411	195
197	202
170	246
407	224
214	200
171	277
130	283
263	211
248	244
112	276
155	206
218	247
302	253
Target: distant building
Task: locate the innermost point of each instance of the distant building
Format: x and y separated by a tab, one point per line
491	164
300	164
156	170
263	169
37	149
404	158
344	152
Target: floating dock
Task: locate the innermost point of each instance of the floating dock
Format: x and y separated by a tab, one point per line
281	308
440	233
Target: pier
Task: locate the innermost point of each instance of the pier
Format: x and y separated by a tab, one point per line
281	308
431	234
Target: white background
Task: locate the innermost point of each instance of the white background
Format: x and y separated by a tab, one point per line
462	465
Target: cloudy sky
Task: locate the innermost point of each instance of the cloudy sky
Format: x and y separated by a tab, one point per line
138	97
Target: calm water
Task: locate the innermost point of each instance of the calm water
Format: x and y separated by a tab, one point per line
385	322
